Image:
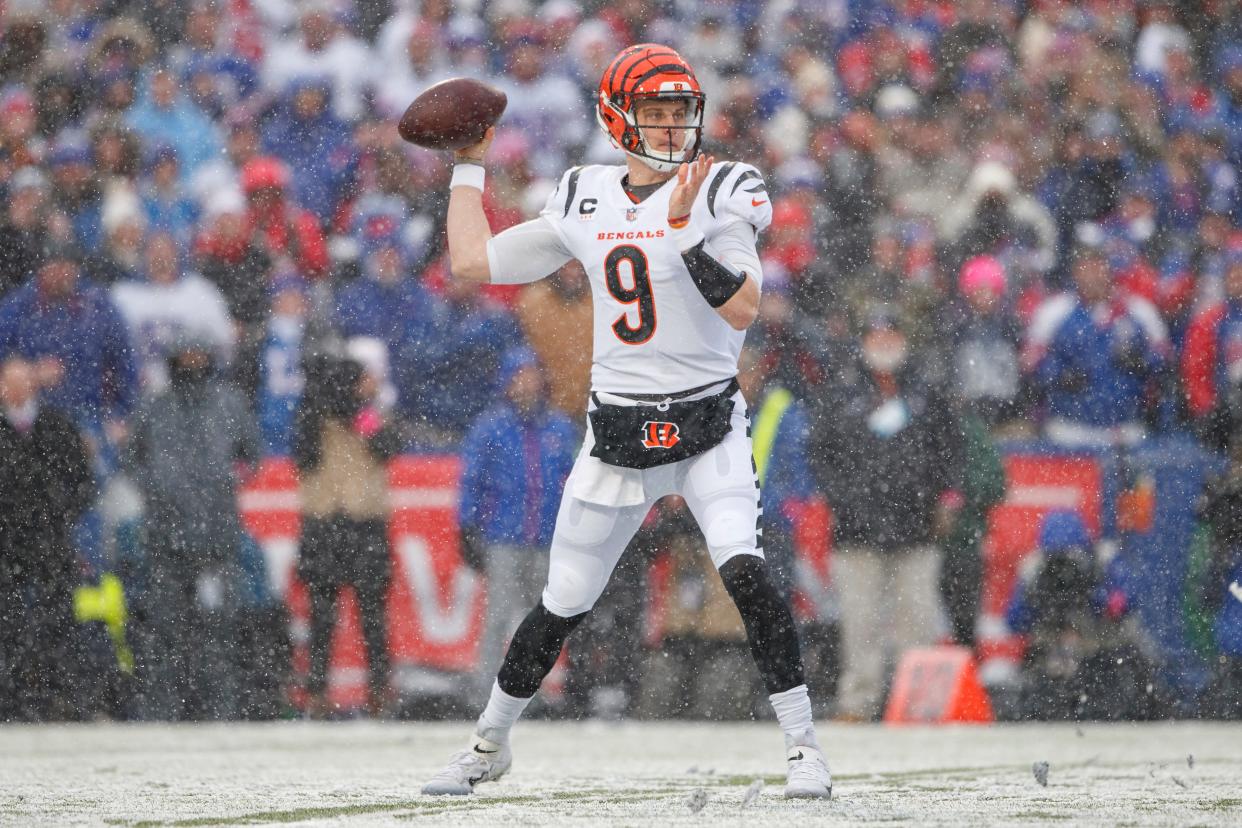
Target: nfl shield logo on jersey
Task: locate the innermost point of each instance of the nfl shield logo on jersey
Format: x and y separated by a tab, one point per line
631	214
660	435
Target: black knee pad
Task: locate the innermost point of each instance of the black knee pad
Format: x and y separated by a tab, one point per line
769	624
534	650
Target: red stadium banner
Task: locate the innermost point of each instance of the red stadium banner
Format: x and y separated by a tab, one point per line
435	607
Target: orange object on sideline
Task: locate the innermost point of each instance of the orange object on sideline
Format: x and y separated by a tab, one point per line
937	685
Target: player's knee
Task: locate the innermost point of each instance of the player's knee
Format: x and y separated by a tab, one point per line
569	593
730	534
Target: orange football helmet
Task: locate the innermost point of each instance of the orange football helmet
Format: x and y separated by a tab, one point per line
649	71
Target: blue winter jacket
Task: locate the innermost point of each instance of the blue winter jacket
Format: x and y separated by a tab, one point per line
1095	368
463	382
320	151
414	324
88	336
183	126
514	472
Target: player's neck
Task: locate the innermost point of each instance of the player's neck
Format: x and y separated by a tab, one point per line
640	175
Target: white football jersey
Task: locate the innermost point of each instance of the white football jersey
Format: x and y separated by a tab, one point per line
654	331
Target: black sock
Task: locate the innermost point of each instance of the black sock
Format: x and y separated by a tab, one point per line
534	650
769	624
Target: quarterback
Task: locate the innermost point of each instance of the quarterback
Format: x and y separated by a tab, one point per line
669	243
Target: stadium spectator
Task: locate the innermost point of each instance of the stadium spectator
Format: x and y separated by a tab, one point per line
124	224
992	217
1084	185
887	453
1093	352
185	448
218	77
235	260
479	331
164	198
21	229
341	445
555	314
77	340
278	225
921	167
305	134
1082	659
45	486
167	305
75	190
163	114
414	64
542	105
388	303
22	144
1212	362
271	370
983	487
852	191
984	339
516	457
319	46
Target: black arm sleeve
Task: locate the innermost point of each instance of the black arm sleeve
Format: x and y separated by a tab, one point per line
715	280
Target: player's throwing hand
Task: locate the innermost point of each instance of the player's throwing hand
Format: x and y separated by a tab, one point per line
690	178
474	153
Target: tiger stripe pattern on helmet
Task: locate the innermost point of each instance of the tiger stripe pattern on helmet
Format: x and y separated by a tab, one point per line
649	71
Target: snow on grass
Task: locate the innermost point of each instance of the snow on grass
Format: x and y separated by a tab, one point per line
628	774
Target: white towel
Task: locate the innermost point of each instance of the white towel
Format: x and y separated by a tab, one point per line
594	481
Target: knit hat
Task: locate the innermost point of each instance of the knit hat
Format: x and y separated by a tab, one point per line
263	172
1063	530
984	272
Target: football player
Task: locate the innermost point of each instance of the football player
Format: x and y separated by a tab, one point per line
668	241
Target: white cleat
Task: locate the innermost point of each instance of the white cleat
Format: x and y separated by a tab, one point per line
470	767
808	774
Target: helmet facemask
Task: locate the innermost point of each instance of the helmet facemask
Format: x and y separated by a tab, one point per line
632	140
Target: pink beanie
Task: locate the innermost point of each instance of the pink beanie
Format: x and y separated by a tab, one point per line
982	272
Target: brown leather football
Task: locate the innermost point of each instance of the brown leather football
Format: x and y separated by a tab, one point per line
452	114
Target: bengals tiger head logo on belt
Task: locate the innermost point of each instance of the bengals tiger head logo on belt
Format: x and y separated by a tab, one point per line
660	435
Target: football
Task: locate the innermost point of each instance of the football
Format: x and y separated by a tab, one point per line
452	114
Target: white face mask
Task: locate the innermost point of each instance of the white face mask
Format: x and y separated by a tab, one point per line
1142	228
889	418
286	328
884	360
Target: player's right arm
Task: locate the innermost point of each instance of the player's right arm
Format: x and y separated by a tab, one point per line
521	254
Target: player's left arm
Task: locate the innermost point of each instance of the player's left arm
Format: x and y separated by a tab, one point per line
729	276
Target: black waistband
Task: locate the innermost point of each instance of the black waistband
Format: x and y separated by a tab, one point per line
676	395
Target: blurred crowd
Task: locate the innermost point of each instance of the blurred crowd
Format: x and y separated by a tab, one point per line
992	219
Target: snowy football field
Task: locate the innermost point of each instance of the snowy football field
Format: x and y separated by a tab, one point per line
624	774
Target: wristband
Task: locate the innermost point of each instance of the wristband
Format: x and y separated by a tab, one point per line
467	175
679	222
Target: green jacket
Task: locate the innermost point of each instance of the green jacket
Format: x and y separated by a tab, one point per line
984	487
